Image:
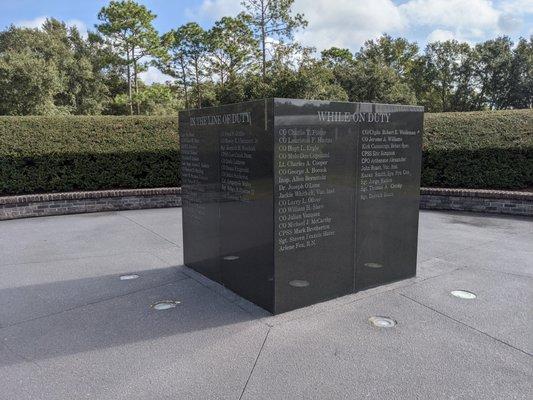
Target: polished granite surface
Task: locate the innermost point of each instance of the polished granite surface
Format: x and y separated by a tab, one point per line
293	202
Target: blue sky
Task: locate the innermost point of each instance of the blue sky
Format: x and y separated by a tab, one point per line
342	23
170	13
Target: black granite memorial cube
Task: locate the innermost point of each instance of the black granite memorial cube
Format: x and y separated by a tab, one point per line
293	202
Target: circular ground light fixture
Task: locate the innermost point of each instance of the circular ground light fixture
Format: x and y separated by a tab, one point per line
231	258
128	277
382	322
373	265
299	283
463	294
165	305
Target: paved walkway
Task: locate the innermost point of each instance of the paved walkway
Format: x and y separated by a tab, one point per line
71	329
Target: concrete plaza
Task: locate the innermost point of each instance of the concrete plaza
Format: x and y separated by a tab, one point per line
70	328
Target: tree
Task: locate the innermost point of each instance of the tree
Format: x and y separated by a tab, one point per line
232	47
493	70
187	58
174	61
79	86
56	70
128	27
335	56
444	63
83	89
272	19
28	84
398	54
342	64
314	80
158	99
521	79
371	75
374	81
466	96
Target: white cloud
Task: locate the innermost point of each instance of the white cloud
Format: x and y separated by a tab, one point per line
215	9
347	23
38	22
440	35
153	75
456	14
472	19
221	8
513	11
510	22
516	6
31	23
78	24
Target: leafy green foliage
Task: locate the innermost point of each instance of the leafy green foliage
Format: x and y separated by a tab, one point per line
55	154
157	99
492	149
521	79
233	47
54	70
188	52
27	84
488	150
50	71
127	27
272	19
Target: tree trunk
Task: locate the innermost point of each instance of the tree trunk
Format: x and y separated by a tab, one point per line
184	75
130	101
198	88
263	41
443	97
135	80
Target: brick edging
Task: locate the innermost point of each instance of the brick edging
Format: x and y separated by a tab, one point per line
483	193
35	205
477	200
95	194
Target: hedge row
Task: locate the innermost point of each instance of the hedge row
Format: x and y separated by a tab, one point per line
492	150
478	150
55	154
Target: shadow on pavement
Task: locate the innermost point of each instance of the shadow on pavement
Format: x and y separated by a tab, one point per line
76	316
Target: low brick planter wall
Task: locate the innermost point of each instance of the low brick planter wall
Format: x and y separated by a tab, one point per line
36	205
476	200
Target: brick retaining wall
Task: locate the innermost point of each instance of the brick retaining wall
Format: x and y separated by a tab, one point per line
36	205
477	200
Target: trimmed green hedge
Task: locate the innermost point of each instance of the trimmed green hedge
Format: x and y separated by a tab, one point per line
492	150
486	149
56	154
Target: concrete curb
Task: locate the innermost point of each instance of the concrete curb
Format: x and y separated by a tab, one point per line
36	205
